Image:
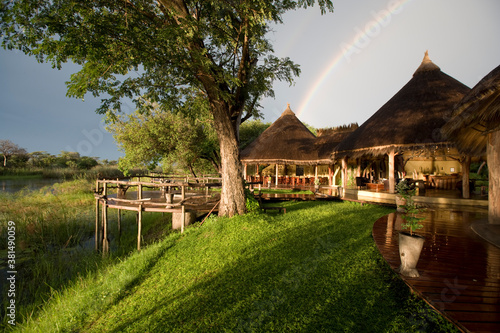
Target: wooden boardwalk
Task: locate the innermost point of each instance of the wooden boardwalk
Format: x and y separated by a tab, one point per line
459	271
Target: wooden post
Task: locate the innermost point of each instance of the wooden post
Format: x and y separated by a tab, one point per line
344	174
392	179
97	224
183	192
139	227
465	162
183	217
105	242
335	176
245	171
276	181
493	155
139	192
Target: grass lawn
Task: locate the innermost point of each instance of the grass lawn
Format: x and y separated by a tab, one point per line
313	269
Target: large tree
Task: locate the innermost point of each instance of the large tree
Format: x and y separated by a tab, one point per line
218	47
9	149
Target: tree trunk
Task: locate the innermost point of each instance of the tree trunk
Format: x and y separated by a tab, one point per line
233	194
493	152
4	160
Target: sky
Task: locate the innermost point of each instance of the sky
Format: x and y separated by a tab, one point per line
352	61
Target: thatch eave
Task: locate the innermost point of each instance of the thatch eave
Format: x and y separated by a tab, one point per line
397	149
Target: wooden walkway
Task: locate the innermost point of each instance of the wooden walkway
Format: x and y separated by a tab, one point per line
459	271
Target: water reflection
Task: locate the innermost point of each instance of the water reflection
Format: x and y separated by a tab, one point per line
16	185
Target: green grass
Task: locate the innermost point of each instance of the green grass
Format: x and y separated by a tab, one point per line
313	269
54	244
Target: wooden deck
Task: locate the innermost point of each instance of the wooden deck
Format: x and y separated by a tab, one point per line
459	271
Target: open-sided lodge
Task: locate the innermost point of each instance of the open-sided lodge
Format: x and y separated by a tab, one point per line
287	153
403	139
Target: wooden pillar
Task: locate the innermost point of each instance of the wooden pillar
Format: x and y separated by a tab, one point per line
344	173
245	171
335	176
276	181
183	193
315	172
139	192
465	177
183	218
493	152
139	227
358	171
392	169
330	175
105	241
97	224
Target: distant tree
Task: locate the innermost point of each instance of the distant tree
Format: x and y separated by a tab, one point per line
41	159
10	149
250	130
86	162
219	48
181	139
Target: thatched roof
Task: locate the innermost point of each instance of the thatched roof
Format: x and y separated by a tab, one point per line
328	138
411	119
477	114
286	141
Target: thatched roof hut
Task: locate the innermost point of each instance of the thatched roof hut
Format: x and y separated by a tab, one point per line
286	141
411	119
476	115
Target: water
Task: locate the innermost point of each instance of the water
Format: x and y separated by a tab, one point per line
16	185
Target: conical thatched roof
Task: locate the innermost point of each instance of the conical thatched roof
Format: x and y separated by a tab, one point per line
477	114
411	119
286	141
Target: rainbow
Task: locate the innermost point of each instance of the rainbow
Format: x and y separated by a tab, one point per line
356	46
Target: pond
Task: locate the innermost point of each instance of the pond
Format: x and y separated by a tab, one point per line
31	184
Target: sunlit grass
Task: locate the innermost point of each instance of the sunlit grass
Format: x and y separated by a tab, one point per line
313	269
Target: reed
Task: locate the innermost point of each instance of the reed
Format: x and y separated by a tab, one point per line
55	239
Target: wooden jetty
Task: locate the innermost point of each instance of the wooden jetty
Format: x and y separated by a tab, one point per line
183	197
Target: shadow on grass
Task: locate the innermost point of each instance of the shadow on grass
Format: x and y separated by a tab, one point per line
319	274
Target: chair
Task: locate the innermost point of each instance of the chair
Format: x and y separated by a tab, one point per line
361	182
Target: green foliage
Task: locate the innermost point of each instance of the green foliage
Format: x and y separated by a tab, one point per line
407	192
250	130
181	140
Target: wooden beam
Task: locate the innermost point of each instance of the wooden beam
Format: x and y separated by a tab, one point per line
392	169
493	152
139	227
465	177
97	224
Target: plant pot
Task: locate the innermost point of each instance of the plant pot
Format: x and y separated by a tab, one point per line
400	201
410	248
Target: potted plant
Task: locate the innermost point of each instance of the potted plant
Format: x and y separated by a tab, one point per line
410	244
402	191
